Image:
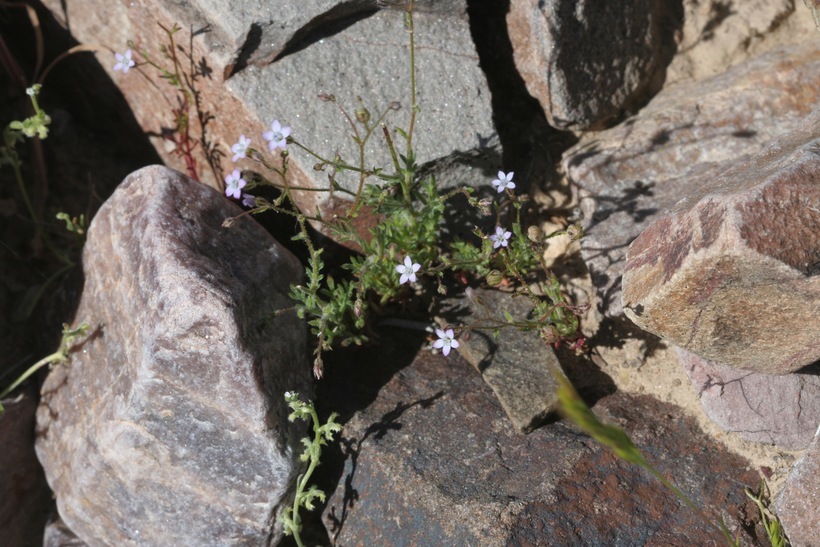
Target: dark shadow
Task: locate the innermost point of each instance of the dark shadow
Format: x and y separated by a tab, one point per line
531	147
93	143
325	25
718	13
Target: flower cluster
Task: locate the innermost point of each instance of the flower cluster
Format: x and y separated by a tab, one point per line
277	138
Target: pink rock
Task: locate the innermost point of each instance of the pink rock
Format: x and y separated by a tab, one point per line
798	506
781	409
630	175
731	272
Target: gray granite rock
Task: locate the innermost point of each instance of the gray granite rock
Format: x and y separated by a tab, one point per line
798	505
589	63
732	271
782	409
57	534
627	176
168	424
431	460
370	59
519	367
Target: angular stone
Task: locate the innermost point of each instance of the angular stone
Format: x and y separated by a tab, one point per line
25	500
168	424
370	60
629	175
798	506
518	366
732	272
431	460
765	408
365	58
589	63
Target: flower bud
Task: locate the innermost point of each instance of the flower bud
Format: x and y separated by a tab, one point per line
575	232
362	115
442	290
494	278
535	234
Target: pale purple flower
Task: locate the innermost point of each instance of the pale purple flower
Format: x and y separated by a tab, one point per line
124	61
248	200
446	340
277	137
504	181
241	148
500	237
408	270
234	184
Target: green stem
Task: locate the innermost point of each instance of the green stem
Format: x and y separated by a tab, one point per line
58	356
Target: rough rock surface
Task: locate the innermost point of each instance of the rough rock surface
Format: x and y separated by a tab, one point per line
370	60
779	409
366	57
798	506
732	272
168	424
717	34
588	63
24	495
518	366
686	136
432	460
57	534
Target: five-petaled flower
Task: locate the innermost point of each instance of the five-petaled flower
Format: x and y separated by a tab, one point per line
248	200
446	340
504	181
234	184
500	238
408	270
124	61
241	148
277	137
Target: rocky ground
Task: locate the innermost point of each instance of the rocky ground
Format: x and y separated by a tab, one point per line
428	455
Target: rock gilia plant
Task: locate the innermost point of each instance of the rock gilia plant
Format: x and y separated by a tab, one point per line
406	255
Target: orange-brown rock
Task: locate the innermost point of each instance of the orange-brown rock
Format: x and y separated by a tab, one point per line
732	273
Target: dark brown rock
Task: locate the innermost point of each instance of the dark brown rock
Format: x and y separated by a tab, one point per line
798	506
588	63
629	175
732	272
168	424
781	409
431	460
25	500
